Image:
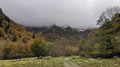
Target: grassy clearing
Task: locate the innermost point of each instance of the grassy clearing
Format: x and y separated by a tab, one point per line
59	62
84	62
47	62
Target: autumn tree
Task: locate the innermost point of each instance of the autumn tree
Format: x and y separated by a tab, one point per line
14	38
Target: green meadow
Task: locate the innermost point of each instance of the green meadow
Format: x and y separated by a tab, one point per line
72	61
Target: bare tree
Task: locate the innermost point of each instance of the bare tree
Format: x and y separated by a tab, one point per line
108	14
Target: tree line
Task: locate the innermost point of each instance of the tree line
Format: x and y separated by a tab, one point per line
103	42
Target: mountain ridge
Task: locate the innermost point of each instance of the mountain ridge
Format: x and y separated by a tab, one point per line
61	31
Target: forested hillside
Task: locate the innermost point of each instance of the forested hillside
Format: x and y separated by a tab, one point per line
15	40
10	30
105	41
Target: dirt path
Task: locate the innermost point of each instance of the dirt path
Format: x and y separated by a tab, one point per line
74	65
66	64
70	64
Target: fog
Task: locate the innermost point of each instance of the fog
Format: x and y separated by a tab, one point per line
74	13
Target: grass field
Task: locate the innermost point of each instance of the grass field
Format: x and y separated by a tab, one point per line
31	62
85	62
60	62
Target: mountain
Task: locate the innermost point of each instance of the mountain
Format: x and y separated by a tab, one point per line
11	30
67	32
66	40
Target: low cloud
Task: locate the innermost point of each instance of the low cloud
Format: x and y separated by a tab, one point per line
74	13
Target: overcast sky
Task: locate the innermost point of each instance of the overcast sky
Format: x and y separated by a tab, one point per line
74	13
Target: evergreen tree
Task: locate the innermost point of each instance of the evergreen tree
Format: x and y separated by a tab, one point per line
38	48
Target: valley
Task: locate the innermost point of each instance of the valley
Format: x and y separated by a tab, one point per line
71	36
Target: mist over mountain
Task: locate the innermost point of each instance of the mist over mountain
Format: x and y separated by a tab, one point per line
66	32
